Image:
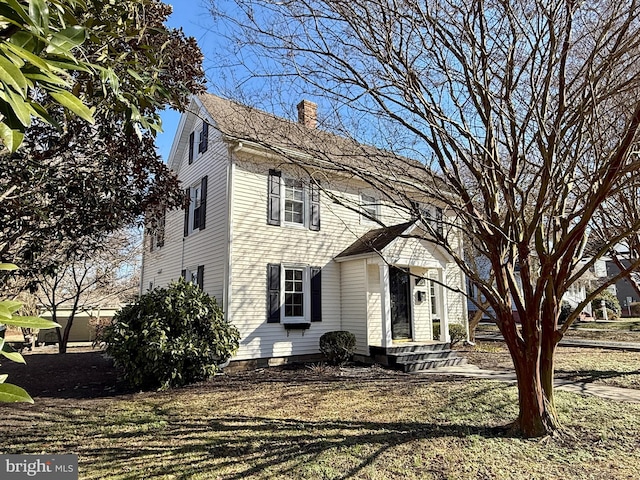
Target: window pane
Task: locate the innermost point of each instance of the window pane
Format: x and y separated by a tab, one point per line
294	201
294	292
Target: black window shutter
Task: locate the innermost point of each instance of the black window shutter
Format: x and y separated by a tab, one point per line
183	274
204	138
200	276
273	293
439	224
205	133
187	194
191	140
314	210
161	226
273	214
203	201
316	294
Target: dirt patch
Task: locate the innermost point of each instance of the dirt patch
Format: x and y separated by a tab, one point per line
80	373
88	373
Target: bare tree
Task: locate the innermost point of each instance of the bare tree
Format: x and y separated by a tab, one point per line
100	276
619	214
521	118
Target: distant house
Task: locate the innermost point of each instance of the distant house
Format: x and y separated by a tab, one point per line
623	289
292	252
576	294
84	323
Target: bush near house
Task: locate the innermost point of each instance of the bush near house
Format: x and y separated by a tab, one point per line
338	346
611	302
457	333
170	337
565	310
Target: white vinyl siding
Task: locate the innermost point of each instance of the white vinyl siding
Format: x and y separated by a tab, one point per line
208	247
354	302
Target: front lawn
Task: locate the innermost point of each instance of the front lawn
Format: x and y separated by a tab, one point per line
600	366
320	423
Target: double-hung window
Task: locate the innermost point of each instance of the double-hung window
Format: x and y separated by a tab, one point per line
196	201
203	142
194	275
292	202
434	217
294	294
370	207
195	212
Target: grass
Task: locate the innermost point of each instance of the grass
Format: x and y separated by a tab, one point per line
627	330
598	366
627	325
327	426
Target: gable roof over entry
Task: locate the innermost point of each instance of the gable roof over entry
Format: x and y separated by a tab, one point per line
402	244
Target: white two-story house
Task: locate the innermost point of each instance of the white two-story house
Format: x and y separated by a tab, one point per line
293	250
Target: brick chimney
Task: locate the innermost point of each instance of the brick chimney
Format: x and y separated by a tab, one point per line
308	114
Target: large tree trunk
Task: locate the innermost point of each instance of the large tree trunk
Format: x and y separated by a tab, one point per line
537	416
534	367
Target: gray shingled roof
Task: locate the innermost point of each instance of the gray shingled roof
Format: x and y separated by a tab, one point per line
323	149
375	240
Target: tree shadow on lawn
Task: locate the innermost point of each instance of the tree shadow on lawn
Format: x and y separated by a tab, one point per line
592	376
238	447
79	373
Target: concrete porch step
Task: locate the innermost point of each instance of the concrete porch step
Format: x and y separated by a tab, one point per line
418	355
421	365
415	357
407	347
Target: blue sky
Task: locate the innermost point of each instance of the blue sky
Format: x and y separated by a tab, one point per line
194	19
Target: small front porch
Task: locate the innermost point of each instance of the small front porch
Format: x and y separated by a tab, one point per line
410	357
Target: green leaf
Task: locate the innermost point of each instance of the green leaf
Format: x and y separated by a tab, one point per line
66	40
73	103
64	66
11	75
25	54
39	14
12	305
5	314
46	78
11	354
3	377
19	9
8	266
11	138
31	322
13	393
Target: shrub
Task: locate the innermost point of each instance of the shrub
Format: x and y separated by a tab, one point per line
457	333
635	309
170	337
338	346
611	315
565	310
611	302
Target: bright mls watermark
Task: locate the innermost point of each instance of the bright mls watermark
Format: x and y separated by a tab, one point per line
50	467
